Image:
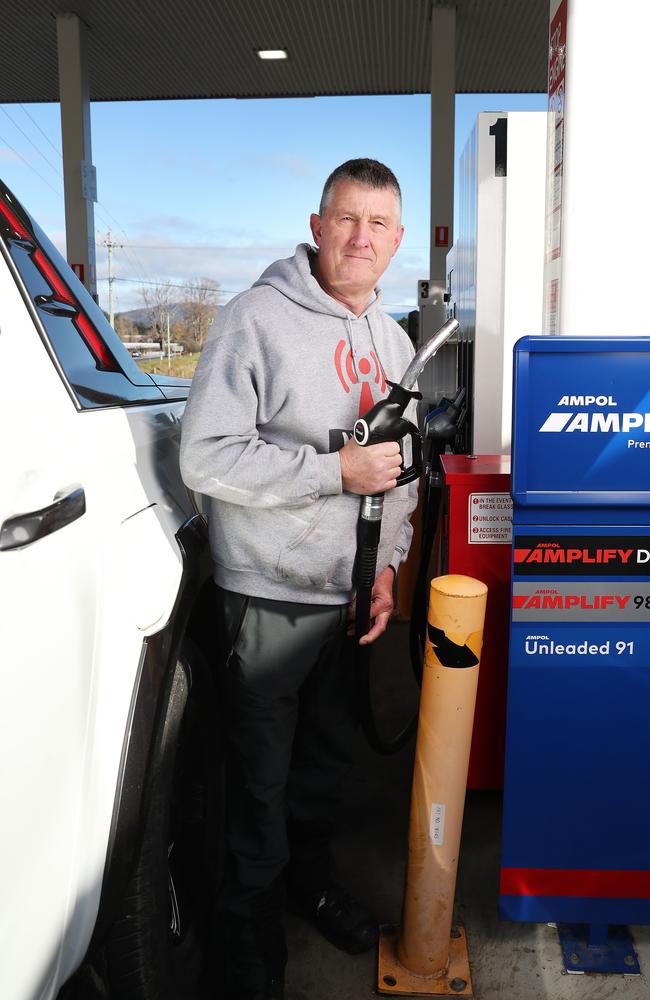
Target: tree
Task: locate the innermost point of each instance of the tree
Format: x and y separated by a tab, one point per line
126	329
403	321
159	303
200	307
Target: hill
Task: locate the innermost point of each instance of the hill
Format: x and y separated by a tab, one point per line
177	314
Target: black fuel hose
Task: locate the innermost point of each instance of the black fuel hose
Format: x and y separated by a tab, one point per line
418	625
417	632
441	427
385	422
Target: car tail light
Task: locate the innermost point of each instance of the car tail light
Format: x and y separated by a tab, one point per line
61	292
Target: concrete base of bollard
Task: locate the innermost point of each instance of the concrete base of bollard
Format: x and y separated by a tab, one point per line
392	977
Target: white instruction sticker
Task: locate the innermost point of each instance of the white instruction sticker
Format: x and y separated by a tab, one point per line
489	519
437	825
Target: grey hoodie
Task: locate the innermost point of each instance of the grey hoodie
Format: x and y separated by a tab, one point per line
284	374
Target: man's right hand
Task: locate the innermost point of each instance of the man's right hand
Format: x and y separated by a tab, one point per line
373	469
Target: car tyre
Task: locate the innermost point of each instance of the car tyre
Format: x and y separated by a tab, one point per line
155	948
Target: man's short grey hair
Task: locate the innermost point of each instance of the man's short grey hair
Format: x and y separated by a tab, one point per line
368	173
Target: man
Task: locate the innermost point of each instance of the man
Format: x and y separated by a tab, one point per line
289	366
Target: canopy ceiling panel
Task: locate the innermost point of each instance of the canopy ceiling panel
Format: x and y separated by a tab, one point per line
155	49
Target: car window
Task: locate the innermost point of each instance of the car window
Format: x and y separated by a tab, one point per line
95	363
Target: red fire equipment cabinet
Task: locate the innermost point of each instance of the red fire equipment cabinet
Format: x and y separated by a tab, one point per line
476	540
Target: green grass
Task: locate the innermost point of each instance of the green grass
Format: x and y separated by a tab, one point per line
182	367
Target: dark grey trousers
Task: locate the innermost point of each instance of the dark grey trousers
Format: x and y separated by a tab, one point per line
288	697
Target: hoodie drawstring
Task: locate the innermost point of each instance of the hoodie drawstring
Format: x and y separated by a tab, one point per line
374	346
348	326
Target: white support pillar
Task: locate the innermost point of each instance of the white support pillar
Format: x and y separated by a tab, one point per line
443	98
80	185
598	199
431	293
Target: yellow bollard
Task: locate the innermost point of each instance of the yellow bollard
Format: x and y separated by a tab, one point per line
425	957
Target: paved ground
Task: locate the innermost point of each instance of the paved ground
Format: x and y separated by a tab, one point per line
509	961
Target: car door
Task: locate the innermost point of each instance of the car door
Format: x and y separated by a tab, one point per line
48	595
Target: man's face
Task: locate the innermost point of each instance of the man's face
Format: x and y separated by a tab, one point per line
357	235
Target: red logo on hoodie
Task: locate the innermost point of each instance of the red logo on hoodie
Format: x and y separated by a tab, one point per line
367	370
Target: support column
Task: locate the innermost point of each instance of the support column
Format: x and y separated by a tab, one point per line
80	186
443	96
440	378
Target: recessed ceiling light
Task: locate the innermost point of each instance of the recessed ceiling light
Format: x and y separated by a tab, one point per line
272	54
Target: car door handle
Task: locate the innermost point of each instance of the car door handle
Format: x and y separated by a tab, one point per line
23	529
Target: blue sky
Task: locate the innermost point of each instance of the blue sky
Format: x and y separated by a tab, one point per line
220	188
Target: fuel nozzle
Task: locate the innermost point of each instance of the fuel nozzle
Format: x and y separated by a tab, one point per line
440	428
385	421
441	425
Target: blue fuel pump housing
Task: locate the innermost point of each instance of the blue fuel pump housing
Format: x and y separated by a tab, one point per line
576	825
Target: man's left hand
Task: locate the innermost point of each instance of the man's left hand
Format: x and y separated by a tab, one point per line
381	606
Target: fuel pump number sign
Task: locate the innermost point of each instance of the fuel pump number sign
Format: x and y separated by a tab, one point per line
489	519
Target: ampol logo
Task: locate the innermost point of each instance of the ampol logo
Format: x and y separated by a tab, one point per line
593	422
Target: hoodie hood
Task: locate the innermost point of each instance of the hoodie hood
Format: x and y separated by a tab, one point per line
293	277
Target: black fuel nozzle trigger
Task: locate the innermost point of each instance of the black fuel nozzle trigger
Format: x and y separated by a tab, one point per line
414	471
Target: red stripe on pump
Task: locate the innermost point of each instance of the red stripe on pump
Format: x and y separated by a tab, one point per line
583	883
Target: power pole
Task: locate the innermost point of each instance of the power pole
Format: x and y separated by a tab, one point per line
109	243
169	347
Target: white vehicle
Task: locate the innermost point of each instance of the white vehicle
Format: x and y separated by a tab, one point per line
103	571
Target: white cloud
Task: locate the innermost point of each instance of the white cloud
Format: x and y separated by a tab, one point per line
8	155
295	165
58	239
156	259
400	282
235	264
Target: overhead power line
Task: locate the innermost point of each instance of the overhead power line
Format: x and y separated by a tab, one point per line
45	136
208	246
220	246
59	194
232	291
32	143
110	243
139	266
174	284
101	211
